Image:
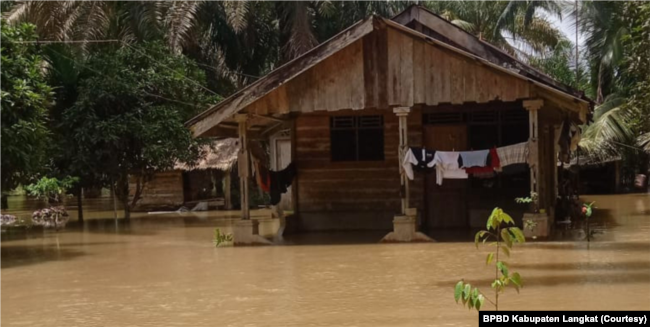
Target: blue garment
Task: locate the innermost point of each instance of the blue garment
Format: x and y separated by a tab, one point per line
474	158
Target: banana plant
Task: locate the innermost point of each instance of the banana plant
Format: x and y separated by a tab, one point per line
503	237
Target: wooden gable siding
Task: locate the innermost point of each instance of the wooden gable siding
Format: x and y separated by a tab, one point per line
372	186
335	83
388	68
163	191
421	73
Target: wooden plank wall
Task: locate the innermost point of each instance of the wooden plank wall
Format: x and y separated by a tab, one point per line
350	194
388	68
164	191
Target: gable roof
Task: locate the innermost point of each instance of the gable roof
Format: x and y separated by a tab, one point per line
452	34
276	78
219	154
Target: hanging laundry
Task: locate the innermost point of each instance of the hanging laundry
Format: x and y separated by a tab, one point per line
418	159
493	163
280	181
513	154
262	176
446	164
474	158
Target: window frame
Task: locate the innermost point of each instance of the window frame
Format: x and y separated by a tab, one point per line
357	126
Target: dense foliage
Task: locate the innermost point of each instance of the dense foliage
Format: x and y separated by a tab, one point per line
25	100
237	41
51	189
128	118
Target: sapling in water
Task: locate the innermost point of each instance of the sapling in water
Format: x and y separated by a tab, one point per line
503	238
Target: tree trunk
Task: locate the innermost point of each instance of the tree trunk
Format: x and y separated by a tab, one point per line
80	210
122	192
4	203
127	210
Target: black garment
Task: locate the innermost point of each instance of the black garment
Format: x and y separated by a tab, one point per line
280	181
423	157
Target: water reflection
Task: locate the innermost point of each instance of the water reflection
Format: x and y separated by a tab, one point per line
164	271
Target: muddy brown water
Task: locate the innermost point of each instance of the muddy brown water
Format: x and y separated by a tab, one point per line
162	271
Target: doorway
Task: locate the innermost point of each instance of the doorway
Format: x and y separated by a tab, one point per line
446	204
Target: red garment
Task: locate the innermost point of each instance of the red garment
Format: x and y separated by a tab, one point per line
263	177
495	163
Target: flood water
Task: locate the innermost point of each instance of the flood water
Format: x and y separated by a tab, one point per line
166	272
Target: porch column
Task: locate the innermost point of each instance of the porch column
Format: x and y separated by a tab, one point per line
540	218
243	168
246	230
404	224
402	114
533	142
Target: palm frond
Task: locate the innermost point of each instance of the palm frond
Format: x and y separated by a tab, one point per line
540	34
464	25
610	126
236	14
179	20
508	16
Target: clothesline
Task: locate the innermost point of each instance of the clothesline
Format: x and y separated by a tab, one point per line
458	164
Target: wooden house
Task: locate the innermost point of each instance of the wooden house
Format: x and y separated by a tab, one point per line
355	102
186	185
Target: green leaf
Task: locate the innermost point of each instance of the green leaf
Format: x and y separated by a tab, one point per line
466	291
480	300
489	222
475	294
505	236
505	250
519	235
478	236
458	291
489	258
507	219
470	303
503	268
516	279
496	283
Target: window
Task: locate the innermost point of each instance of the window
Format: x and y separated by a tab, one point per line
357	138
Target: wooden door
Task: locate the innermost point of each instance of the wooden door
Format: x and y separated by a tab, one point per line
446	204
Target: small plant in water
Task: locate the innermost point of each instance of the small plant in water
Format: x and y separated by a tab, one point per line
52	191
532	200
220	238
531	225
587	211
503	240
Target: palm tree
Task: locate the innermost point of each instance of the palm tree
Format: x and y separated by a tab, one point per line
233	41
603	24
516	26
90	20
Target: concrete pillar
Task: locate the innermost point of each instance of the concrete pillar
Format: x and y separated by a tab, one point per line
402	114
541	218
404	225
533	142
